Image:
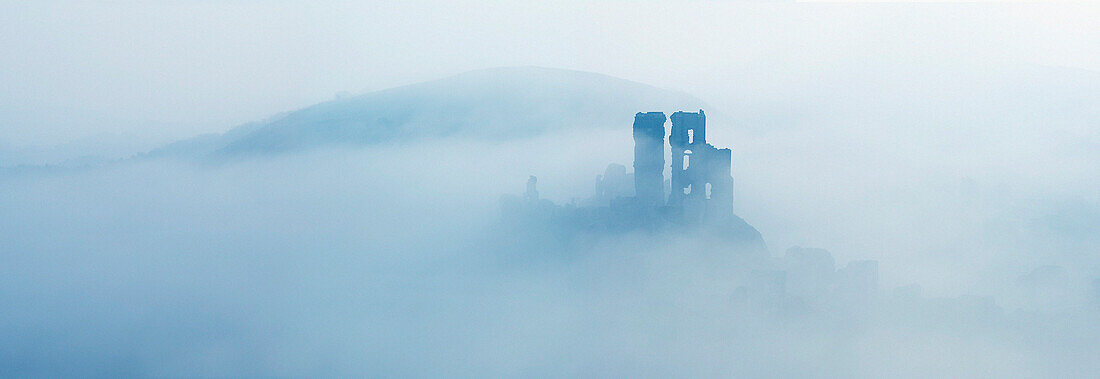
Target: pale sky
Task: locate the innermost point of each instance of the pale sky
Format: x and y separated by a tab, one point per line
164	70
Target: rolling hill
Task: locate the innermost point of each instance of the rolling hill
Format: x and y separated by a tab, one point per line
500	103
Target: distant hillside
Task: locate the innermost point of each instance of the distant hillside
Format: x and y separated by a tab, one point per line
496	103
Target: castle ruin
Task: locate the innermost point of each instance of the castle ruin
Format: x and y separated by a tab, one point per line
699	194
694	210
701	186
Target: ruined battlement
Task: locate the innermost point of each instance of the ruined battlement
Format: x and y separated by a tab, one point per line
702	186
649	157
699	193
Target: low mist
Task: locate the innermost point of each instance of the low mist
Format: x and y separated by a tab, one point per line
392	260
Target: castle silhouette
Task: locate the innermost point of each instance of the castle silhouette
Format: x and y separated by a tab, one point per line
702	186
698	196
695	206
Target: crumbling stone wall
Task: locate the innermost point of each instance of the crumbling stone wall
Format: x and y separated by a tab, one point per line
649	158
702	186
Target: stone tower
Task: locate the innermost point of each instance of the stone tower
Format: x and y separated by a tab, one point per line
649	157
702	187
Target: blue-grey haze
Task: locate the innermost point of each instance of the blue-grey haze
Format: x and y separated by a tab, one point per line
143	234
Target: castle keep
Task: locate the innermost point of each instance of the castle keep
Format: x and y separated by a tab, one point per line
699	192
649	158
701	187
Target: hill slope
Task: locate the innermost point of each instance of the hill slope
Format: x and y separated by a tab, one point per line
496	103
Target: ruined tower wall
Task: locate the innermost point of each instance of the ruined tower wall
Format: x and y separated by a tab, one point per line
687	139
649	157
702	187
